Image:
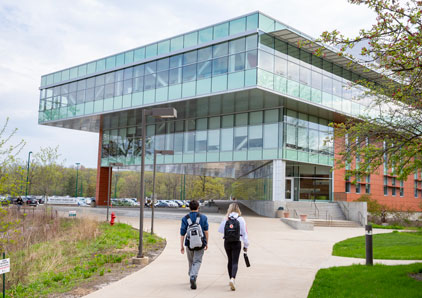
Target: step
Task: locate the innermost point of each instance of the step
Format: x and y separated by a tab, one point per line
336	223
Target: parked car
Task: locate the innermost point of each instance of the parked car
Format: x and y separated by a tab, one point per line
179	203
171	204
161	204
30	200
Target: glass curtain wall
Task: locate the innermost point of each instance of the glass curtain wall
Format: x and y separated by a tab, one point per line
185	41
256	135
257	185
310	182
225	66
289	70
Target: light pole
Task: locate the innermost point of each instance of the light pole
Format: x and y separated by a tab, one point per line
77	168
27	173
157	113
162	152
110	166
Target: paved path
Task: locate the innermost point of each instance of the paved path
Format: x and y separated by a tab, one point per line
283	263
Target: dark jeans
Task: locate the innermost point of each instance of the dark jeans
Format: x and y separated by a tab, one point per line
233	252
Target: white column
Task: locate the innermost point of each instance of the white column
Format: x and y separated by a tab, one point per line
279	180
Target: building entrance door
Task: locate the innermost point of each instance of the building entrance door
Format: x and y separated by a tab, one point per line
289	189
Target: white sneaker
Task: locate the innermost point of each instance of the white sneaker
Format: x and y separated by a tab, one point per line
232	285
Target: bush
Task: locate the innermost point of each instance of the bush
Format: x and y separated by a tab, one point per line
378	210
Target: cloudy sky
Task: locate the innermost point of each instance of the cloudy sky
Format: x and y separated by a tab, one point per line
39	37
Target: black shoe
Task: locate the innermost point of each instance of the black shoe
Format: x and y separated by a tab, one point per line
193	283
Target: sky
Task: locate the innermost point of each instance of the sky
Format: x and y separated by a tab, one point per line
43	36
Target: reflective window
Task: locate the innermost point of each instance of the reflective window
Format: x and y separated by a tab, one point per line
221	49
237	62
189	57
219	66
204	70
175	76
266	61
237	46
189	73
205	54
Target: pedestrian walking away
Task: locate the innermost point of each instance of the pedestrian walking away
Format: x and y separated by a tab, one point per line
234	229
194	235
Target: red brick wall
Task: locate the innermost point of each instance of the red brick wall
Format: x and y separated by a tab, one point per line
406	203
102	177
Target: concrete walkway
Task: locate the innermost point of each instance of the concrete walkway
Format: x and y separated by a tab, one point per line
283	263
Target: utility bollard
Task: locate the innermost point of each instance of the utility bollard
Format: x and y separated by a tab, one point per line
368	245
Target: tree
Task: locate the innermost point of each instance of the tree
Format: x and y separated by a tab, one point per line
48	171
207	188
8	154
392	133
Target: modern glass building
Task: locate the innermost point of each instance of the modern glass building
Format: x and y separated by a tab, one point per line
251	105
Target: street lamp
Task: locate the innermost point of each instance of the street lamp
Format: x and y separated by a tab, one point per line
162	152
77	168
157	113
110	166
27	173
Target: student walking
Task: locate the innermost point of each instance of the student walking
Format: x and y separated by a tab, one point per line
195	228
233	227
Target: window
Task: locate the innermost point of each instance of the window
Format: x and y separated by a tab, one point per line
293	71
204	70
266	61
219	66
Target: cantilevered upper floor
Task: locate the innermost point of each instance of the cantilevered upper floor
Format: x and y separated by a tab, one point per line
253	51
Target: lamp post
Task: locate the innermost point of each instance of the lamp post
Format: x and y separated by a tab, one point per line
157	113
77	168
162	152
110	166
27	173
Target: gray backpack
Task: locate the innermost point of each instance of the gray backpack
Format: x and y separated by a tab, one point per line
194	233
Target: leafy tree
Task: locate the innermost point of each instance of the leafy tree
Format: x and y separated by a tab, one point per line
8	154
393	48
48	171
207	188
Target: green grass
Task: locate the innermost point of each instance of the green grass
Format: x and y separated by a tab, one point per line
367	281
395	227
390	246
80	260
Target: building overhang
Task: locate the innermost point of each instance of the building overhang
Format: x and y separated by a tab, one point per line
329	53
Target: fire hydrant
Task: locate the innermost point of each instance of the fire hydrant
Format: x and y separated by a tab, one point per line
113	216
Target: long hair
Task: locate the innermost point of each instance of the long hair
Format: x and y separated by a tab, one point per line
233	207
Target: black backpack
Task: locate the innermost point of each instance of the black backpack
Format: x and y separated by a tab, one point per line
232	230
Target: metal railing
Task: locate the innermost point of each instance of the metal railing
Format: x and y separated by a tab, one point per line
295	213
328	217
316	211
347	211
361	218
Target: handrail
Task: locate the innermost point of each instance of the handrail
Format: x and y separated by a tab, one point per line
361	218
348	211
328	217
295	212
316	212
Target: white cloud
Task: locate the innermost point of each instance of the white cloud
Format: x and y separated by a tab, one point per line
39	37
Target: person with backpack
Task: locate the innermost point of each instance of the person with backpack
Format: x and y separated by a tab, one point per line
234	229
194	235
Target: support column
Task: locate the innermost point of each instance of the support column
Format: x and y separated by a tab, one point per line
279	180
101	191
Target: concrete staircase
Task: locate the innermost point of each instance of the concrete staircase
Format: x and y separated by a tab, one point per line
336	223
321	213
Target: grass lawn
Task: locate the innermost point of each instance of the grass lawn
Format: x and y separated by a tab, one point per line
368	281
390	246
85	250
